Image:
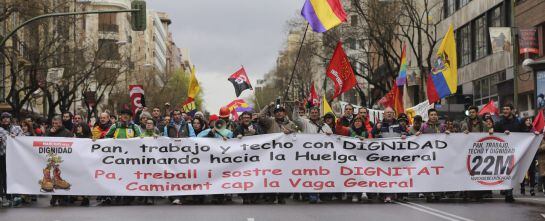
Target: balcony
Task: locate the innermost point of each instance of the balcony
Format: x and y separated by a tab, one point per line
108	28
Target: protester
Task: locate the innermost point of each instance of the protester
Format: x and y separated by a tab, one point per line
433	125
178	128
198	125
57	130
348	115
541	165
77	119
528	127
358	130
67	121
336	127
278	123
245	129
224	115
508	123
124	128
472	123
312	125
83	131
417	125
7	128
28	128
389	126
149	130
101	127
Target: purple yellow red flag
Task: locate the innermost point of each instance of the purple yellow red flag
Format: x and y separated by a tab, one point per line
323	15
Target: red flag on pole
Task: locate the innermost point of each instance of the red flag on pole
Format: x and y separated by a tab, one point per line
539	122
393	99
431	91
136	93
489	108
240	81
313	100
340	71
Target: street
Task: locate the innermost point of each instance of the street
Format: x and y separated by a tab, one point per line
494	209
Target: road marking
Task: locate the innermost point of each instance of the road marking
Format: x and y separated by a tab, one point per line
251	219
427	211
440	211
543	215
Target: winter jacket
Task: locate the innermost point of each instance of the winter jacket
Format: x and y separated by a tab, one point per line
310	127
123	131
270	125
472	125
61	132
432	128
250	130
511	124
362	132
388	129
178	130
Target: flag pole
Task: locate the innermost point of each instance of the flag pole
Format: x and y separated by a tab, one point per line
296	60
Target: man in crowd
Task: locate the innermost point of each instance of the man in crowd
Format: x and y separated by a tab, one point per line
244	129
508	123
158	119
124	128
312	125
67	120
472	123
178	128
348	115
224	115
6	129
389	126
101	127
58	130
279	123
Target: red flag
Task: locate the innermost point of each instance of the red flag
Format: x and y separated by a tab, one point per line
313	100
489	108
432	92
136	93
393	99
240	81
340	71
539	122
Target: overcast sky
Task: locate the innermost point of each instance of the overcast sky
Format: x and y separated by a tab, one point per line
222	35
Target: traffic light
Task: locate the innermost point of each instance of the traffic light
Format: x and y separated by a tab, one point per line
138	18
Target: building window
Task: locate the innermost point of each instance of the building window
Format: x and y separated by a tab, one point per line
495	17
464	42
486	89
108	49
108	22
449	7
481	38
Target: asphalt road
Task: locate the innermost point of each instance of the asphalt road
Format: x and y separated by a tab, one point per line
450	209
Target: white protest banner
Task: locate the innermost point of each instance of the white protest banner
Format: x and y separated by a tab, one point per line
267	164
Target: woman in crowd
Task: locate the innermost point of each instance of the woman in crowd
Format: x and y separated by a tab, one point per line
358	130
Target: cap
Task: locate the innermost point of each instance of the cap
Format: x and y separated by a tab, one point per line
224	112
213	117
5	115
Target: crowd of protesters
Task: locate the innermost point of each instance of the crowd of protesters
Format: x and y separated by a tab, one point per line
273	118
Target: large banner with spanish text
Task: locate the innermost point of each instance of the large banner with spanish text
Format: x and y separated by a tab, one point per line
268	164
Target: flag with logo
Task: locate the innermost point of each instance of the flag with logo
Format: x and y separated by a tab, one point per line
340	72
240	81
136	93
313	100
444	77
